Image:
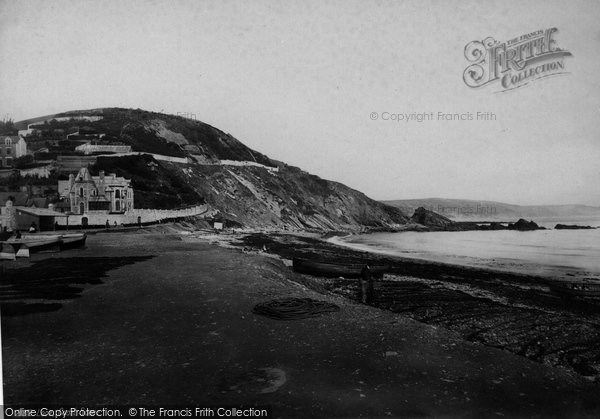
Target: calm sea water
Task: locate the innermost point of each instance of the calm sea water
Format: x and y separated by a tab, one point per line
550	253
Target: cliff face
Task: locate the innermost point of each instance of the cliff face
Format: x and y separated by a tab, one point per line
247	187
289	198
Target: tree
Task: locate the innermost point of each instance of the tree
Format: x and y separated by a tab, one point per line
23	161
7	126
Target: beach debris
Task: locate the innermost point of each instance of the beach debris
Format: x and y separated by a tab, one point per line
294	308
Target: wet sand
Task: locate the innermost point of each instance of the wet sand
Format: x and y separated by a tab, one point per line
148	318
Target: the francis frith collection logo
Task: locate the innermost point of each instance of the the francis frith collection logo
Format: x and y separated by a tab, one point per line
516	62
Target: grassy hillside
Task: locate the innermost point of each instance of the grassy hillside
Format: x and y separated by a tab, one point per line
154	133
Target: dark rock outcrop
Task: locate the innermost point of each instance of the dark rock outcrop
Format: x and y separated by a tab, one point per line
524	225
431	219
572	227
490	226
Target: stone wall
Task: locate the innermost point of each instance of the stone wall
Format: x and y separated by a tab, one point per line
182	160
131	217
42	171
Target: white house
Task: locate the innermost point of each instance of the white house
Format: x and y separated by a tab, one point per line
11	147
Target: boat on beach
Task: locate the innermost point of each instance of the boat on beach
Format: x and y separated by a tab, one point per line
72	241
7	252
331	270
581	288
39	243
32	243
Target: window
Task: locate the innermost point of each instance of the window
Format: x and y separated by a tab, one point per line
7	140
8	162
118	205
81	208
8	151
117	194
81	192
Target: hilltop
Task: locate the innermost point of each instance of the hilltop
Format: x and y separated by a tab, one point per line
190	162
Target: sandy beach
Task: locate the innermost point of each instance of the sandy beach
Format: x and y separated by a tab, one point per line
158	317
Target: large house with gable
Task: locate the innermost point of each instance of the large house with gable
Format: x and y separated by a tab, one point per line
107	194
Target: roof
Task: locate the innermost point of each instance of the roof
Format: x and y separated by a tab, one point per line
40	212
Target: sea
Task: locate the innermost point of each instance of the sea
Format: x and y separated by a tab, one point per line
549	253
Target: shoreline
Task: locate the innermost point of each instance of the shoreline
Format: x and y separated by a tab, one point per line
517	312
172	314
506	265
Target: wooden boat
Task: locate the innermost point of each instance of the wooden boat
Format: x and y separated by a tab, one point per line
72	241
582	288
331	270
23	251
20	250
37	243
7	251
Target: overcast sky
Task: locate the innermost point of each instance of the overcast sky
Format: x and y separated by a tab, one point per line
298	81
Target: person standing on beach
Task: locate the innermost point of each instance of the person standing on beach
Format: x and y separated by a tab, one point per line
365	285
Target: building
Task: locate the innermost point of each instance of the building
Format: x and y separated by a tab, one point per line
15	217
96	194
11	147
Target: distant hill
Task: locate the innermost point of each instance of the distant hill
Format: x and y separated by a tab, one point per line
246	186
465	209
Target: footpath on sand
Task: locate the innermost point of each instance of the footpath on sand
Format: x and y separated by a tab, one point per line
154	320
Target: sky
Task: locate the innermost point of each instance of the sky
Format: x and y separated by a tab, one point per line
304	81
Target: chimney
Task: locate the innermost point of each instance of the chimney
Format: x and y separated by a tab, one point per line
101	186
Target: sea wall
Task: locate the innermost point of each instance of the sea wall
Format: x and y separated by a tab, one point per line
131	217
